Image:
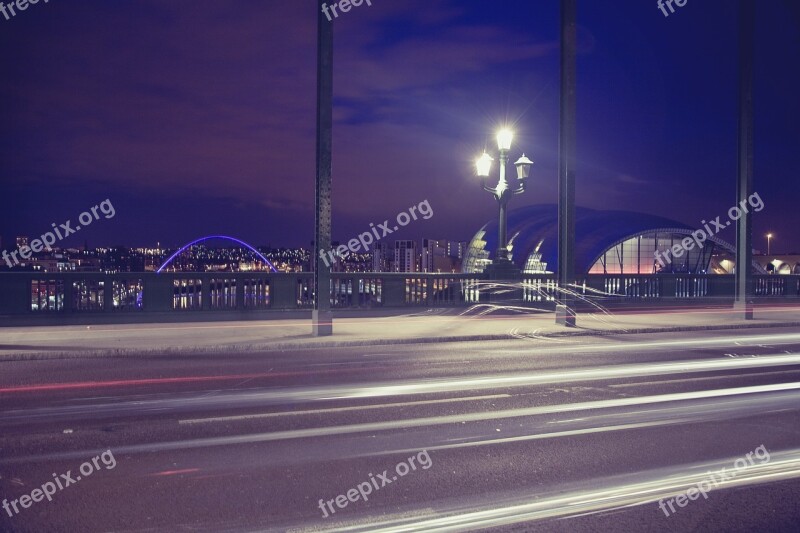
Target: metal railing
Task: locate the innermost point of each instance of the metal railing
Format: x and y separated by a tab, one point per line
73	293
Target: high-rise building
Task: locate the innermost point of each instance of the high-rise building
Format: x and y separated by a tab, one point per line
405	256
435	257
22	240
338	261
381	262
457	249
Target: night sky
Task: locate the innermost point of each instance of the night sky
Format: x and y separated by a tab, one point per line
197	117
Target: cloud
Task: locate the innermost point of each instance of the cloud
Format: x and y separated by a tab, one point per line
218	98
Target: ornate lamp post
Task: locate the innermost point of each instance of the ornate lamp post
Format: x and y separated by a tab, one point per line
502	192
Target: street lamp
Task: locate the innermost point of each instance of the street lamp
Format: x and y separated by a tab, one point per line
501	191
769	238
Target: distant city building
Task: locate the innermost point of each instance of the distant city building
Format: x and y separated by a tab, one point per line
435	256
381	261
198	258
336	261
285	260
457	249
22	240
54	265
405	256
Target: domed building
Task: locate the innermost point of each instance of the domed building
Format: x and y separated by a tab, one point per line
606	242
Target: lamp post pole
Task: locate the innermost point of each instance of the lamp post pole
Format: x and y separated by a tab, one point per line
565	312
502	192
769	238
321	317
743	301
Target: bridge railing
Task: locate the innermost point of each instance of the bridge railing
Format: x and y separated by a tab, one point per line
76	293
685	286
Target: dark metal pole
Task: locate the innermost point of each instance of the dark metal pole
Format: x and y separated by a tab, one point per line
565	312
502	239
502	201
744	226
321	316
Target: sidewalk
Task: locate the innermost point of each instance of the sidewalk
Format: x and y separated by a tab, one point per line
436	325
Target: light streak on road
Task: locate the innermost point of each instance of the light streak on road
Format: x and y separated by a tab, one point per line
404	388
643	488
749	401
42	387
342	409
715	342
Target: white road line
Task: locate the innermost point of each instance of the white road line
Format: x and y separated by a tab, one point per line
340	409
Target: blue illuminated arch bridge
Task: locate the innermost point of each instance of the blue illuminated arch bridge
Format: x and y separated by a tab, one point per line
224	237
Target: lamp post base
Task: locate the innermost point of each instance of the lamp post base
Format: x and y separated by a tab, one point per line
743	309
502	269
321	323
507	289
565	316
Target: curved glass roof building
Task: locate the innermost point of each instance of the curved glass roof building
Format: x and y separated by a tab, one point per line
610	242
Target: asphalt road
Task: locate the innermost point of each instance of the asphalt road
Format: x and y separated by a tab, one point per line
576	434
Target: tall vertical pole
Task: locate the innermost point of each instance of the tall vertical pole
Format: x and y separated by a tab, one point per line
502	232
565	312
321	316
502	201
744	188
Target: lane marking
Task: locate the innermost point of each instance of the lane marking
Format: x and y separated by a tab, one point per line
340	409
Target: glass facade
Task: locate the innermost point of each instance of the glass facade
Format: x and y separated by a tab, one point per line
478	257
641	254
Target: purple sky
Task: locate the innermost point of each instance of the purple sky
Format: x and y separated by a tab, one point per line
197	117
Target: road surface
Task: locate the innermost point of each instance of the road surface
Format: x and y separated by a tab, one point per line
574	434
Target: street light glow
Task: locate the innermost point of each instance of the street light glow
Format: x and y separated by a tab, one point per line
484	165
504	138
502	192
